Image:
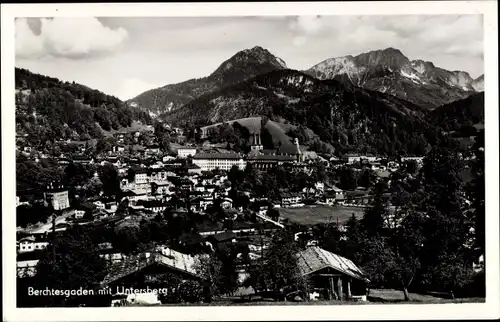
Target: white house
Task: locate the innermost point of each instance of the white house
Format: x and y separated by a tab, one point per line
370	159
30	244
167	158
185	152
419	160
118	148
290	199
26	268
153	149
164	188
79	214
159	175
141	176
204	203
199	188
222	161
320	186
353	159
392	165
99	204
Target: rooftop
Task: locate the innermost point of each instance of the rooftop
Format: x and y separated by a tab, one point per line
313	259
164	256
270	157
203	155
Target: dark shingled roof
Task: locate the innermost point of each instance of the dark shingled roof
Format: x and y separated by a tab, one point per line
313	259
269	157
168	257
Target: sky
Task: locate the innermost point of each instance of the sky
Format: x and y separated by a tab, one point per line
127	56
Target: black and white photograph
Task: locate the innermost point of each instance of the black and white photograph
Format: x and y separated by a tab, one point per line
299	160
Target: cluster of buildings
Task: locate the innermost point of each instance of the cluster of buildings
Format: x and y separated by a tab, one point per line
149	179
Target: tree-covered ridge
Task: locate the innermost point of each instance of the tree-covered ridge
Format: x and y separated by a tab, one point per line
350	118
48	108
460	115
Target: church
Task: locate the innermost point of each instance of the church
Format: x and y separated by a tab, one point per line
262	158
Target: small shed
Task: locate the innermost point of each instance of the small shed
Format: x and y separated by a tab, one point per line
331	275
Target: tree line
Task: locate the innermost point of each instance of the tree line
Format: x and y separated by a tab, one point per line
53	109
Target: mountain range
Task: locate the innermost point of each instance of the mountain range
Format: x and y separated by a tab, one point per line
387	71
343	102
349	118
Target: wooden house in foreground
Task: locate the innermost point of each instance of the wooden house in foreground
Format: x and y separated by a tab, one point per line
139	271
332	276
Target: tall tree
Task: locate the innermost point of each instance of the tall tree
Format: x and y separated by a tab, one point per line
280	271
75	264
445	244
407	242
110	180
209	268
353	244
348	179
375	216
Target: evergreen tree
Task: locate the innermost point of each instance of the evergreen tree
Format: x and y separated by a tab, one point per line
444	262
377	213
110	180
354	238
348	179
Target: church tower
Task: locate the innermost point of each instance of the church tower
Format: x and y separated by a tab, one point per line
299	155
256	143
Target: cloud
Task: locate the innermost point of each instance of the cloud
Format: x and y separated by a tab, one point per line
299	41
73	38
307	24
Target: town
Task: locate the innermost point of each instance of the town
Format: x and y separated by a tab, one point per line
160	206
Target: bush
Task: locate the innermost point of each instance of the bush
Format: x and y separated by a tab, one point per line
475	287
188	291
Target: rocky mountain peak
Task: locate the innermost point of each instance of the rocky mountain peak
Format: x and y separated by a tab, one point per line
478	84
250	60
390	71
241	66
390	57
423	67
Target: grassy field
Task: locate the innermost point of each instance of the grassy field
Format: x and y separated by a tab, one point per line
313	215
278	129
377	296
253	125
396	296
